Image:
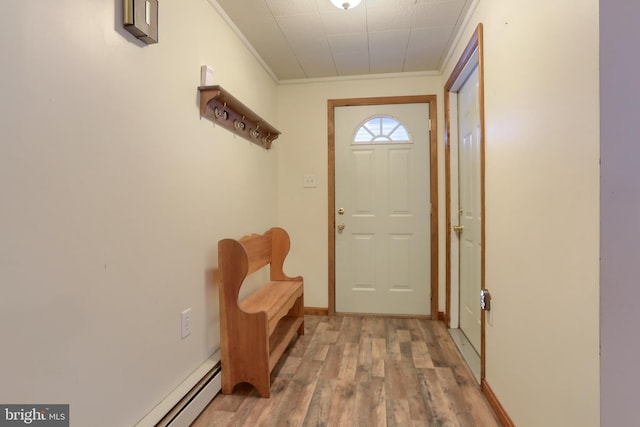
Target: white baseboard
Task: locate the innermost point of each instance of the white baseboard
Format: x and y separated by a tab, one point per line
188	399
198	402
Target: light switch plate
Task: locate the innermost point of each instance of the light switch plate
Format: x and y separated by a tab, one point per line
185	323
206	76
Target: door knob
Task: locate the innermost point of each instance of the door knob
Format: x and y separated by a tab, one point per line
340	227
458	228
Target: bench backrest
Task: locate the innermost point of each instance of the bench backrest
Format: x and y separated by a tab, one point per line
239	258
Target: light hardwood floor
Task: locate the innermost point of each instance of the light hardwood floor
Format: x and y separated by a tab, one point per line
362	371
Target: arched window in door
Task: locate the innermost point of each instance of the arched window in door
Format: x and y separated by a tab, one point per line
382	130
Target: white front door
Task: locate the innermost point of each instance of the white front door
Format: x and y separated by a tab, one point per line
382	198
469	176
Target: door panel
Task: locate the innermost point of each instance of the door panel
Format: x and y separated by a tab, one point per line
383	253
470	209
399	181
363	166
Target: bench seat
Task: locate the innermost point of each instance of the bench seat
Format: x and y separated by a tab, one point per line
275	298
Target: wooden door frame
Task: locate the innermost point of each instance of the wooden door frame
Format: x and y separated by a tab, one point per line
475	43
433	165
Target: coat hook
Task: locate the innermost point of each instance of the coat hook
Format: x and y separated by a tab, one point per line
221	114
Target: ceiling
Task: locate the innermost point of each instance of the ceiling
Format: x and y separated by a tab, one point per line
301	39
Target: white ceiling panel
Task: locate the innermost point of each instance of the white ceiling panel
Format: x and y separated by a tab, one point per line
338	21
383	19
419	63
286	67
434	1
237	9
261	29
438	14
285	7
351	63
385	66
311	46
389	41
317	65
299	39
300	26
430	39
350	43
383	58
350	53
389	4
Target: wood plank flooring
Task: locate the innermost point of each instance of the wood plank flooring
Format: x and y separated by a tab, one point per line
362	371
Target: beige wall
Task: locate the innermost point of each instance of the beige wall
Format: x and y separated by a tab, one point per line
113	196
302	149
542	190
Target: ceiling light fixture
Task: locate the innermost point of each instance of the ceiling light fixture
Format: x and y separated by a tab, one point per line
345	4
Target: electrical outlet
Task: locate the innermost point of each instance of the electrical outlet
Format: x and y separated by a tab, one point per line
309	181
185	323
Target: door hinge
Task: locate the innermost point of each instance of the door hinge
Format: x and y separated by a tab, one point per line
429	125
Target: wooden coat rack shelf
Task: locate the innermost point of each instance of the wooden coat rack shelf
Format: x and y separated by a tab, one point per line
221	107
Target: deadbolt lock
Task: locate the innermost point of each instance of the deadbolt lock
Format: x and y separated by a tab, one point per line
341	211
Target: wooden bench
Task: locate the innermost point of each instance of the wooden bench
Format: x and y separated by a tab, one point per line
255	332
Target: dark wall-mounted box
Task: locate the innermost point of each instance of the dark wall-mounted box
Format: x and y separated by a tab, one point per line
140	18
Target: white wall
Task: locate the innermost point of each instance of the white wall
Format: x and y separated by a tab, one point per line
542	207
619	210
303	211
114	194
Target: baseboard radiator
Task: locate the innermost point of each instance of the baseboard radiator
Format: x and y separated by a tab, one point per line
187	401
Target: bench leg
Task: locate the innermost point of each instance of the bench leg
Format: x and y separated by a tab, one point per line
261	381
263	387
227	384
298	311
